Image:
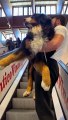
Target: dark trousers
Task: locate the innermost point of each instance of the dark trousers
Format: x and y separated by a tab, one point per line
43	101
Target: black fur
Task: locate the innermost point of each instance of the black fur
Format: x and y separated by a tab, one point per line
47	30
45	22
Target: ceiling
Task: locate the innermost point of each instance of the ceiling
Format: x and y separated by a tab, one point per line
31	2
25	3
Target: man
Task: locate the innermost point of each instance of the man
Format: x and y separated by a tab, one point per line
59	41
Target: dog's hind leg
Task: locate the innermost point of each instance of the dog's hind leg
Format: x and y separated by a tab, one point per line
44	71
30	83
46	79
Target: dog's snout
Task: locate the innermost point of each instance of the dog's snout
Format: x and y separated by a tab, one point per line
27	22
27	19
28	25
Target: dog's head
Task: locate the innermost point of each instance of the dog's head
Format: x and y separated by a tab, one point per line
40	23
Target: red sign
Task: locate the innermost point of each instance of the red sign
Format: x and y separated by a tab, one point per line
62	89
8	75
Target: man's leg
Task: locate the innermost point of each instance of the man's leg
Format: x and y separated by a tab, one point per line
43	101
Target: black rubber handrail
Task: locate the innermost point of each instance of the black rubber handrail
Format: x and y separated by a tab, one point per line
7	53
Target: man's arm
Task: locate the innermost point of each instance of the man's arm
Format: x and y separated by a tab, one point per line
54	44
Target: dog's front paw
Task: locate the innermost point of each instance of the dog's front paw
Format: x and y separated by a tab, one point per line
26	93
44	86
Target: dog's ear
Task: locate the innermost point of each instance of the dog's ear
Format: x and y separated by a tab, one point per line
45	20
48	21
42	19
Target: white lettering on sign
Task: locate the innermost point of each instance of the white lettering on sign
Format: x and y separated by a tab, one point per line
8	76
62	91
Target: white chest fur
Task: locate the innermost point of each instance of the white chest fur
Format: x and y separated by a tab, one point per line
36	44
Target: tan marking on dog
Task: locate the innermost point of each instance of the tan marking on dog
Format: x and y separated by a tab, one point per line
30	20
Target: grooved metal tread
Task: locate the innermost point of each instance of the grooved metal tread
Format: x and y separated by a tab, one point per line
23	108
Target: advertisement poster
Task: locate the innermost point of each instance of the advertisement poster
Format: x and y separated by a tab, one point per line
8	75
62	89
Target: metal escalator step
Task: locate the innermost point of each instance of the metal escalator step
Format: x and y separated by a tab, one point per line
24	103
19	114
25	74
24	85
21	91
25	78
23	108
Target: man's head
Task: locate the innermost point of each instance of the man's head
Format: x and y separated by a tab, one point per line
58	20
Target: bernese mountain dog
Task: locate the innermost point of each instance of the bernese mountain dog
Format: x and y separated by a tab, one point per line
40	30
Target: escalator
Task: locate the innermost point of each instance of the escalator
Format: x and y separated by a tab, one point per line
22	108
